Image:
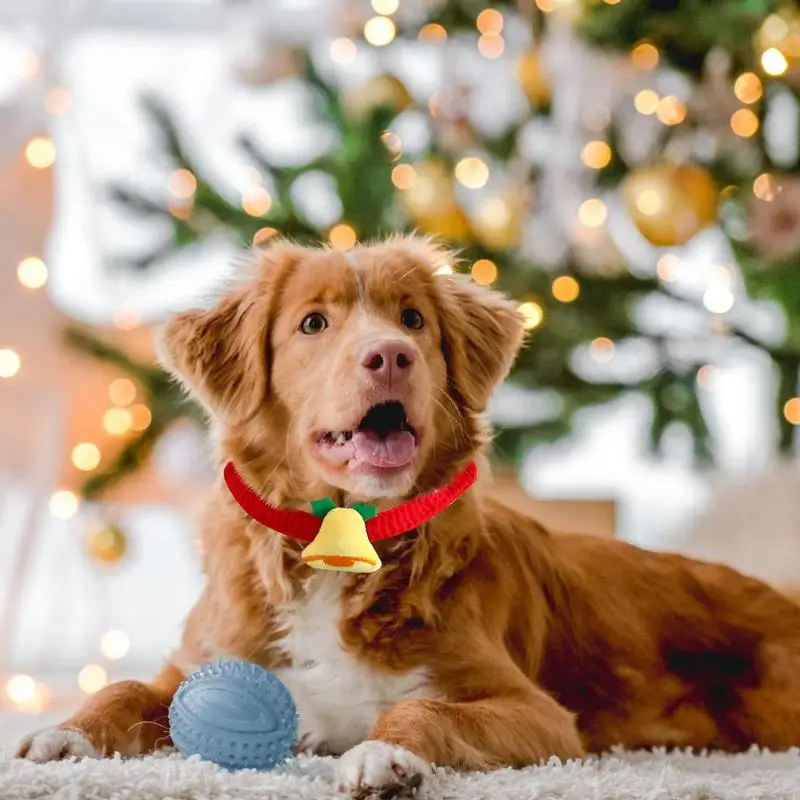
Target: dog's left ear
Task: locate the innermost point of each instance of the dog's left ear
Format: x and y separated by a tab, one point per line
482	333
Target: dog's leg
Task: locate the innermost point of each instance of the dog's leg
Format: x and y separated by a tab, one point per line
128	717
511	730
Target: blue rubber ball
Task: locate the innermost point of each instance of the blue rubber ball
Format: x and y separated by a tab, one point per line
235	714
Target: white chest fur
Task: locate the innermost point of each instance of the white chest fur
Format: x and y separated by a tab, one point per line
339	697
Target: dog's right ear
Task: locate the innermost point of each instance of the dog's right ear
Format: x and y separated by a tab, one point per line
221	355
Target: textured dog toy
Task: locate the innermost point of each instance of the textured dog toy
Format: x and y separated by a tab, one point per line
235	714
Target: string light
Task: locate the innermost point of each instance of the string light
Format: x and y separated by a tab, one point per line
26	694
748	88
10	363
32	272
764	187
86	456
774	62
565	289
385	6
63	504
489	22
432	32
645	56
602	349
744	123
532	314
494	212
122	392
646	102
182	184
403	176
117	421
491	46
115	644
342	236
668	267
671	110
596	154
791	410
379	31
57	101
140	417
21	689
705	377
263	235
393	143
484	272
256	201
472	172
593	213
40	152
718	298
126	317
649	202
343	51
92	678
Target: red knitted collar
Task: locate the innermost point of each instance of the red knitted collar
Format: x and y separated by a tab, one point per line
384	525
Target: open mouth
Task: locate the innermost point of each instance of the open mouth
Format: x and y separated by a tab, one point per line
384	439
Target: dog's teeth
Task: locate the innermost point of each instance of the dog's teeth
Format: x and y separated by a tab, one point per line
341	438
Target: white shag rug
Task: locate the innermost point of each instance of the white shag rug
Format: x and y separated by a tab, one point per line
621	776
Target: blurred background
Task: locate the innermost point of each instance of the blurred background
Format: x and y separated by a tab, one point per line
627	169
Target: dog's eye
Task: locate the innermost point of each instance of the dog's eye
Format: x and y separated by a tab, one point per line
313	324
411	318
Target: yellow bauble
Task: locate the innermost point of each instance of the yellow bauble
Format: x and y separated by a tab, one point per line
107	544
533	78
431	202
670	203
380	90
498	221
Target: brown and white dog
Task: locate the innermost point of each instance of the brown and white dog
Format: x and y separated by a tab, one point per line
482	642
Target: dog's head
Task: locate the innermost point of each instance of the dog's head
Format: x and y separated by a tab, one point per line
365	369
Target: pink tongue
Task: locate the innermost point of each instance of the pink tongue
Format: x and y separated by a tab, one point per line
396	450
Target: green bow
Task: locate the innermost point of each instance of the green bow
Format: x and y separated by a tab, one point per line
319	508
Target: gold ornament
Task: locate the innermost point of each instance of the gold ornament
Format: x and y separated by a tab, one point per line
498	221
380	90
107	544
781	31
533	78
670	203
431	202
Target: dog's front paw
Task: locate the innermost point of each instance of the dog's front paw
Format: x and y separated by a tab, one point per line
53	744
380	769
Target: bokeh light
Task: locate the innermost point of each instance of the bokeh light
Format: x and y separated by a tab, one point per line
565	289
484	272
86	456
63	504
32	272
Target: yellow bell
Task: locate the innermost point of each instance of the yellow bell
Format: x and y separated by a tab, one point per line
342	544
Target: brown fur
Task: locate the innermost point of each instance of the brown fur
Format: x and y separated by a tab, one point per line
536	645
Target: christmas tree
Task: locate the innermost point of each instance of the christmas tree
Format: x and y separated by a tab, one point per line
590	210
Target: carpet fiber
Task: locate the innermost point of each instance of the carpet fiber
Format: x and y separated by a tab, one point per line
619	776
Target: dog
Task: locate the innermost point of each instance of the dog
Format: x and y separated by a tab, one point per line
482	642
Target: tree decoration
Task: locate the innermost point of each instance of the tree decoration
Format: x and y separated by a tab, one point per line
670	203
431	203
380	91
107	544
533	78
774	218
